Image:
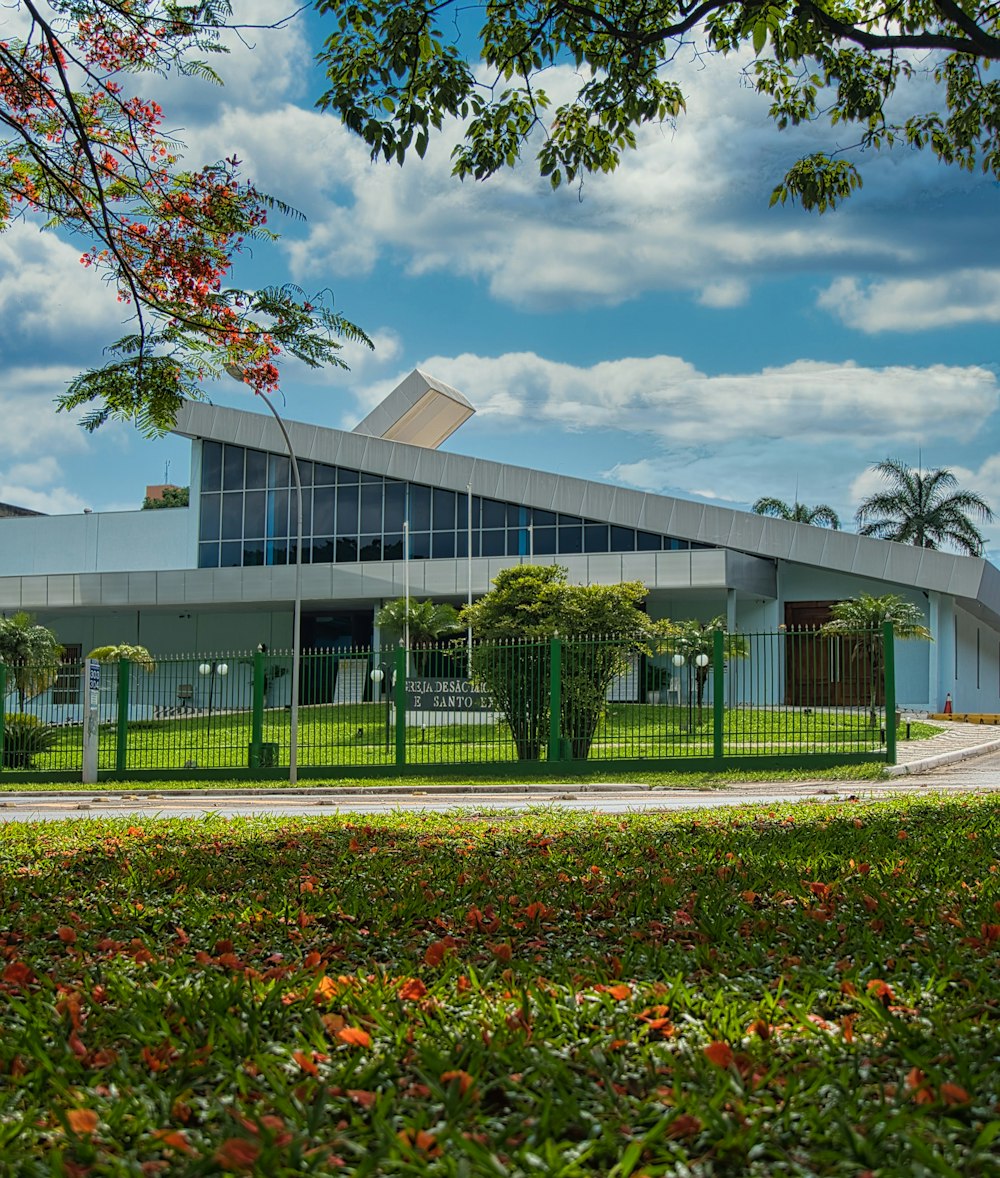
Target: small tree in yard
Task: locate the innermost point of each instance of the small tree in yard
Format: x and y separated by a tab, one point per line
428	622
124	650
692	638
513	625
32	652
859	621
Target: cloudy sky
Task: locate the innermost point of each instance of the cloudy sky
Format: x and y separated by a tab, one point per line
661	327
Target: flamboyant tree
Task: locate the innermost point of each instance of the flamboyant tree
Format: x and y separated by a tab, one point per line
82	149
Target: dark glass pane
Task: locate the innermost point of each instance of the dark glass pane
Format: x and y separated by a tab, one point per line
622	539
494	543
277	551
232	515
323	475
444	510
278	471
395	506
462	542
208	527
305	473
349	477
392	547
595	538
347	511
256	475
371	548
477	513
347	549
324	500
211	469
544	541
254	505
232	468
232	554
517	542
322	550
543	519
516	516
647	542
420	546
443	544
366	477
570	521
420	508
371	507
253	552
277	513
208	556
570	540
494	514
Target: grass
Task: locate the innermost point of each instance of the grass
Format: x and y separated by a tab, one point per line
762	991
356	735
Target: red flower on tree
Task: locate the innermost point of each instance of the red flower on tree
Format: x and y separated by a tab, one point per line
89	155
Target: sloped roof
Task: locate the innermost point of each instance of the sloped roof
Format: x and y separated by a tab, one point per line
972	580
420	411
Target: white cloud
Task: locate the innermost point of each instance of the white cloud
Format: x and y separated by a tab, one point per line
667	398
46	293
31	424
915	304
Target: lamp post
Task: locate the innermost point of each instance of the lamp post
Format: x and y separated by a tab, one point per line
293	719
378	678
698	662
211	670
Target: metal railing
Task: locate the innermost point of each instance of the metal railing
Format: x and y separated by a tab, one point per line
786	696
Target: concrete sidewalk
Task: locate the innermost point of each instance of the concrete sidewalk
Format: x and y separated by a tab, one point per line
958	742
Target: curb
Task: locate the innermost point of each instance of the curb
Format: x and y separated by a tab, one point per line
939	759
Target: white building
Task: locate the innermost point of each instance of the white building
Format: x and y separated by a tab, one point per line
219	575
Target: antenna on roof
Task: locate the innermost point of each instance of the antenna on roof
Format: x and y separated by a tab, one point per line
166	471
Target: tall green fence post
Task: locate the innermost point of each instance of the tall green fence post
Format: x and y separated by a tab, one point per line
889	674
399	685
121	733
3	709
718	696
555	699
257	710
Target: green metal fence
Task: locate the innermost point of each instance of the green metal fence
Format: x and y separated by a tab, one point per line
783	697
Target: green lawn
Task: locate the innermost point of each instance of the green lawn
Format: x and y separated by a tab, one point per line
763	991
357	736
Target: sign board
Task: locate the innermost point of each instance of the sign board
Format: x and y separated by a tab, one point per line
94	682
446	695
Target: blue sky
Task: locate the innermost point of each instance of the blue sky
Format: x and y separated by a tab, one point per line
661	327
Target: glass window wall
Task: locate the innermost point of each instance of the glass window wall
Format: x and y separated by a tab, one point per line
248	518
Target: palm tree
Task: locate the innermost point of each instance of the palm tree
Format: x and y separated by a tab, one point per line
820	516
859	620
427	622
918	509
32	652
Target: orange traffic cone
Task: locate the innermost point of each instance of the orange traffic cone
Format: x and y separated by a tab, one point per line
947	704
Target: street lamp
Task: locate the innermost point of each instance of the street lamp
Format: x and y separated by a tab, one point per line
378	676
293	719
211	670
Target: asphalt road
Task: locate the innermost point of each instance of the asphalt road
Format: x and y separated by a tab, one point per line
981	773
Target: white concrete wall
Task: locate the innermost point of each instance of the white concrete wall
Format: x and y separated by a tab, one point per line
106	542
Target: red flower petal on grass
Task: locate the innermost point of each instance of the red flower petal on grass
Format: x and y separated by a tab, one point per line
684	1125
412	989
355	1036
66	934
237	1154
465	1081
954	1093
82	1121
305	1061
720	1054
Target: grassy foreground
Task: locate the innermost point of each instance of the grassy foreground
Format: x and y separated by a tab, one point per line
764	991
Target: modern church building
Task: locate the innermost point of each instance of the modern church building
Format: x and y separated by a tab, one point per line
385	510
